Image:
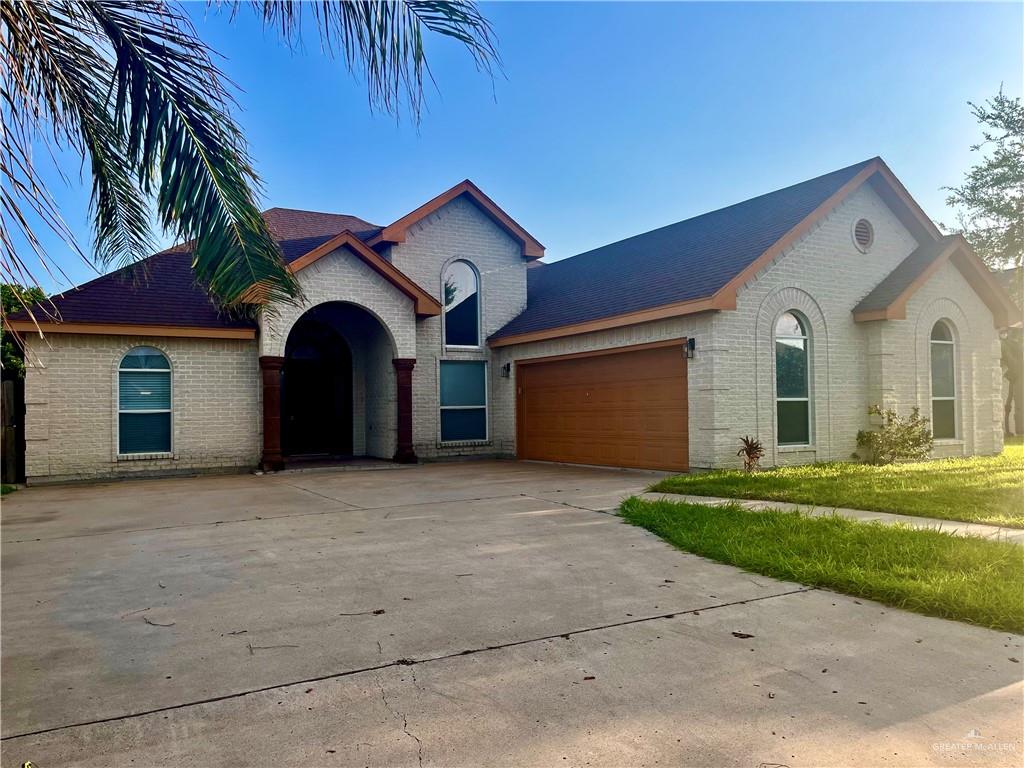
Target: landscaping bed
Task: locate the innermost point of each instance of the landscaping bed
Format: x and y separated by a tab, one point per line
970	579
981	489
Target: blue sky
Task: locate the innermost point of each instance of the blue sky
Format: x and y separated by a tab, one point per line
610	119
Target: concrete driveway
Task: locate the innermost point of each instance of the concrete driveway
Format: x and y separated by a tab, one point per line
483	613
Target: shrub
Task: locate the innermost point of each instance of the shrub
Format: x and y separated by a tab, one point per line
751	450
897	439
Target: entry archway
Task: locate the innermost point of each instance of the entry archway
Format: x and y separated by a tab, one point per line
339	391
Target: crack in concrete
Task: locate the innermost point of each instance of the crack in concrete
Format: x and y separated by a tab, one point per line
612	511
405	720
317	493
407	662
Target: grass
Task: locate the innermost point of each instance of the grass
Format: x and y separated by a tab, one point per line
981	489
5	489
970	579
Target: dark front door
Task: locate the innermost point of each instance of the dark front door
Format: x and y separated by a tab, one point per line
316	392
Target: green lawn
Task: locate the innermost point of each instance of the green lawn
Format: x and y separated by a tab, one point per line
970	579
987	489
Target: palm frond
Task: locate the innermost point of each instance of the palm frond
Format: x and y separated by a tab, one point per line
58	79
171	104
131	86
384	41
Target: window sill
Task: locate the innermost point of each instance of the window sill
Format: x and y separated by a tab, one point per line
144	456
462	443
948	441
455	348
796	448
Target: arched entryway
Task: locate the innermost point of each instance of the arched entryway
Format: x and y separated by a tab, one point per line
339	391
316	391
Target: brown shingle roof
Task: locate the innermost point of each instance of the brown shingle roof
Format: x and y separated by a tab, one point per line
162	290
299	232
688	260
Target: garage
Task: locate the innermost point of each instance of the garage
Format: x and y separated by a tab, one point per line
621	409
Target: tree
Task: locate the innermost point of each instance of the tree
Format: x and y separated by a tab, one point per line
991	199
130	86
991	217
13	298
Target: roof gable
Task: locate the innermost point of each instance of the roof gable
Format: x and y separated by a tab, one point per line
888	300
425	304
396	232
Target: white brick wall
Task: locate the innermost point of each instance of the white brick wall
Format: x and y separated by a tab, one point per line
948	296
71	406
460	230
731	380
854	365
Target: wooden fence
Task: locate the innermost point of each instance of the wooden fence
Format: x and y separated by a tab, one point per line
12	439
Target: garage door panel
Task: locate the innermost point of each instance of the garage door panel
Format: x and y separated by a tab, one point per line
624	409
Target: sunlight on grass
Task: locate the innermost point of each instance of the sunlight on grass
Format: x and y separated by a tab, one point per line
982	489
965	578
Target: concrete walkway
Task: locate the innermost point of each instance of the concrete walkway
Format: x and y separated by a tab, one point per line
1010	535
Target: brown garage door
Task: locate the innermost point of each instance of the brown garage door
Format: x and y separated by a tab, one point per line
624	409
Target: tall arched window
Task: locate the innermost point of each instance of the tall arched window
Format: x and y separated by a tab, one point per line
792	380
461	305
943	361
144	402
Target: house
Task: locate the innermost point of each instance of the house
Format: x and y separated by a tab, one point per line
443	335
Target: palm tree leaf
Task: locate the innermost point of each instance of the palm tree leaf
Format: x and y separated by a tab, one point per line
172	104
384	40
58	75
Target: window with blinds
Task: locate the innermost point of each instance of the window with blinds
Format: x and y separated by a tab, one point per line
144	402
463	400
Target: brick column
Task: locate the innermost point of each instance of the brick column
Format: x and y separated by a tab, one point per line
404	453
271	367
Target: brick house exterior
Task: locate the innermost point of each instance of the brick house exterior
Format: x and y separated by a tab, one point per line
868	310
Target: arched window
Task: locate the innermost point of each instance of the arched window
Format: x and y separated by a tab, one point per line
943	360
461	305
144	402
792	380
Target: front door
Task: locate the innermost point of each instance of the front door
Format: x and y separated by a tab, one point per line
316	392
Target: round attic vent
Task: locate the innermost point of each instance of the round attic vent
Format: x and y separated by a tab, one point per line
863	235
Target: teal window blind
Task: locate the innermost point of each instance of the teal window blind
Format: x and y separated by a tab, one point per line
144	402
463	400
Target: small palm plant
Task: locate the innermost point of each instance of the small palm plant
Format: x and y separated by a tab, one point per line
752	451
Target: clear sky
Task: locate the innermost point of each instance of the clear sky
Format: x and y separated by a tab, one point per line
610	119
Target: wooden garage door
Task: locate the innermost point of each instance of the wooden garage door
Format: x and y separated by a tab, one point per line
625	409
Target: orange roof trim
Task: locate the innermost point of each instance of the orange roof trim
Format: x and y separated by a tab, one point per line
396	232
426	305
119	329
